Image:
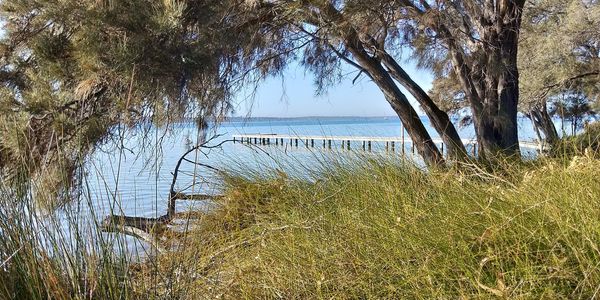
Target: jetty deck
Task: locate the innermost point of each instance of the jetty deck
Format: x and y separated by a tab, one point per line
367	141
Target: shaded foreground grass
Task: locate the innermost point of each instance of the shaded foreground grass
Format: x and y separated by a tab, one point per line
375	228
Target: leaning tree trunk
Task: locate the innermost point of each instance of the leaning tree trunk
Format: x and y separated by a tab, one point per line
398	101
543	121
439	119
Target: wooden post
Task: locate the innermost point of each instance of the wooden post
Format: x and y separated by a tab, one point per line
312	143
348	144
276	142
234	139
402	129
306	143
369	145
329	142
387	146
323	144
413	147
442	147
255	140
281	141
364	148
393	146
296	143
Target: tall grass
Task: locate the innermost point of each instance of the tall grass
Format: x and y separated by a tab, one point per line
57	254
380	228
588	140
344	226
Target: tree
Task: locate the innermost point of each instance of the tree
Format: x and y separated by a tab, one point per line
574	107
75	73
363	34
559	53
478	43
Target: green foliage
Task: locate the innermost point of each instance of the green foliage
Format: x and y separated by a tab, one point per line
73	73
557	53
368	228
574	107
559	49
381	229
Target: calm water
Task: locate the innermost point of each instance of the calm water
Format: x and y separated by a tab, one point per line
136	181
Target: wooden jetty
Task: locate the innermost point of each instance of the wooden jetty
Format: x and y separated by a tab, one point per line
346	141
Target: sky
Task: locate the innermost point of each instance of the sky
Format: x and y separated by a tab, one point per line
294	96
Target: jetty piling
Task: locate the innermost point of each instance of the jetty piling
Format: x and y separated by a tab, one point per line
345	142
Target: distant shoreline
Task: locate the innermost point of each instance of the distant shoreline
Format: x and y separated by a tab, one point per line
310	117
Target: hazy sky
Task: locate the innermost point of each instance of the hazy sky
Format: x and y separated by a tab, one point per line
295	96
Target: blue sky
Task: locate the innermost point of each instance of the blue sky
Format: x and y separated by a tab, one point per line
295	96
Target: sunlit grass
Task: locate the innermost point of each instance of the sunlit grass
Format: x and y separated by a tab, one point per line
352	225
379	228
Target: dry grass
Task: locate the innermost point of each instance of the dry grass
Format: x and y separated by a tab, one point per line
366	227
382	229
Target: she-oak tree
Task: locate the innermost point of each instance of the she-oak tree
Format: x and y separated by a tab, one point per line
77	69
475	41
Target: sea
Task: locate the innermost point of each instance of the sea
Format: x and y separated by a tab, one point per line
132	173
137	172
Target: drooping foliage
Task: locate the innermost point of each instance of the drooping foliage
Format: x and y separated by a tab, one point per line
366	35
73	72
559	57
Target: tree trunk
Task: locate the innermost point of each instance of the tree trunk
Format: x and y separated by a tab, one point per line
400	104
489	75
439	119
543	121
408	116
496	119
